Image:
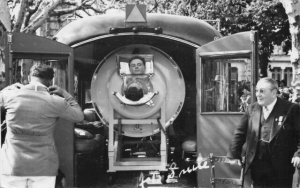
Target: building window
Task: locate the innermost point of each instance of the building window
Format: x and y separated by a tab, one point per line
288	75
276	73
224	84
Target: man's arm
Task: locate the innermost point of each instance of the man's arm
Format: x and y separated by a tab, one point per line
239	138
296	120
72	110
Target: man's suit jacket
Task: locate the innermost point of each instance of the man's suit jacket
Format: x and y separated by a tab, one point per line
285	136
31	115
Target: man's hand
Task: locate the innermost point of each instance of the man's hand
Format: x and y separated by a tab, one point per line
56	90
296	162
97	124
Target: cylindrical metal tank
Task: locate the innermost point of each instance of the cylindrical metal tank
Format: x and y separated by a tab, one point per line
166	79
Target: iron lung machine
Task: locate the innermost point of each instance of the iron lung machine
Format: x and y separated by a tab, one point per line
138	136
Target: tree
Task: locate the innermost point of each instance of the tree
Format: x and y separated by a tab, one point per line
292	9
29	15
267	17
5	26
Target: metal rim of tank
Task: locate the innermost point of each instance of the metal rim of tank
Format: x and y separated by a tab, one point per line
171	64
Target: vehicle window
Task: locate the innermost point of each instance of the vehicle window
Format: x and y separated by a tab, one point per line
226	85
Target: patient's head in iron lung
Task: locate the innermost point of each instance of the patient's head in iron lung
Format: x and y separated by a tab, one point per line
137	83
134	93
137	65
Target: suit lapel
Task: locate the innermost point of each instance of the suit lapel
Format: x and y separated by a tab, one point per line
257	113
277	116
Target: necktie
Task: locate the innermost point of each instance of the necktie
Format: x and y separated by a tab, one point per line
266	112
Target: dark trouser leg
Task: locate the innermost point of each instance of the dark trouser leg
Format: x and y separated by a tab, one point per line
264	176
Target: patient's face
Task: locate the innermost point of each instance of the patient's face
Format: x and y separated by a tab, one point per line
136	66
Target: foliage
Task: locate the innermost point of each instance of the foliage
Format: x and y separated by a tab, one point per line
267	17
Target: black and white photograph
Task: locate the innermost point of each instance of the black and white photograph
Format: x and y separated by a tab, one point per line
150	93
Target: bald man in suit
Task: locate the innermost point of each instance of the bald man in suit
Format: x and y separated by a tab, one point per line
270	130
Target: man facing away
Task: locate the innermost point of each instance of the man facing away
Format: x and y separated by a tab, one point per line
28	156
270	131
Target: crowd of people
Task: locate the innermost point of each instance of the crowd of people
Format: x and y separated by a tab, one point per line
291	94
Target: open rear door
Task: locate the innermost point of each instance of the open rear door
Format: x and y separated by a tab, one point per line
227	72
238	45
25	49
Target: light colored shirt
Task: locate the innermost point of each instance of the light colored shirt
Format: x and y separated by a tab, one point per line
268	109
31	117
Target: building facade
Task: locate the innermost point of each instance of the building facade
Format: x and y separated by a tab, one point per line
280	67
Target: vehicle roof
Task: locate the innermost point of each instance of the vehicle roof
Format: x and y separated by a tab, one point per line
187	28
